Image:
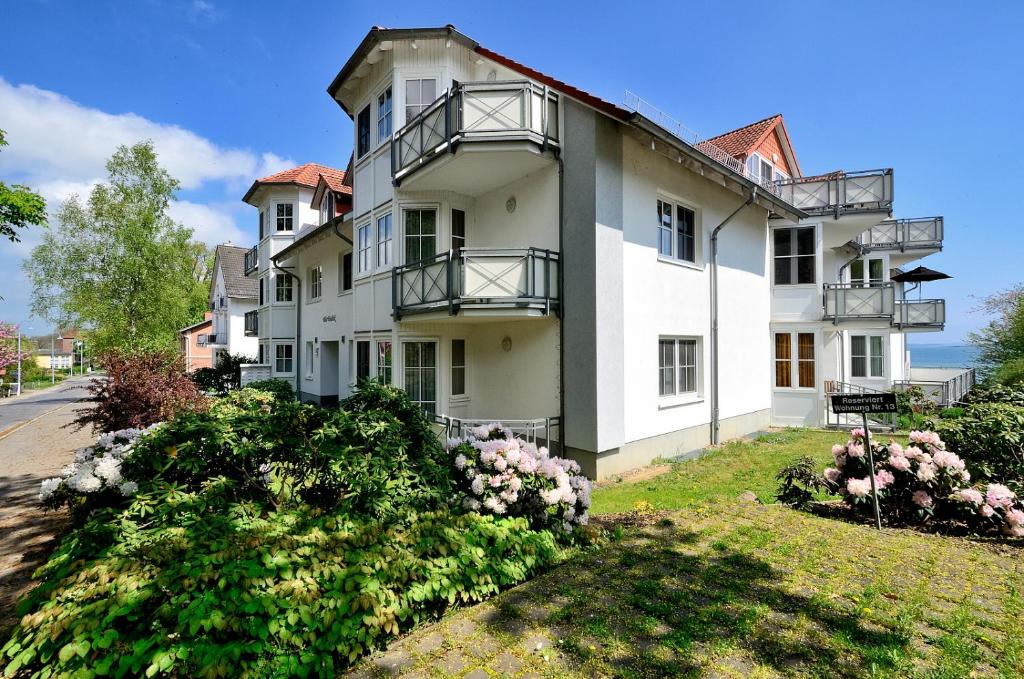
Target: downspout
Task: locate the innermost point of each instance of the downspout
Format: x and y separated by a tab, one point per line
561	305
297	353
714	315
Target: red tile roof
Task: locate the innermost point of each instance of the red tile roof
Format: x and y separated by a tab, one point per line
742	141
307	175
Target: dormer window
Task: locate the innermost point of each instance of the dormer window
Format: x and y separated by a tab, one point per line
327	209
419	94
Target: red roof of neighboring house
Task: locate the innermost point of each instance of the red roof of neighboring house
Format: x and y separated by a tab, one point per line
306	175
741	142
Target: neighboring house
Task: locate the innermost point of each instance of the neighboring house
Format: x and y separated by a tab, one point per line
285	202
61	346
232	296
518	250
194	344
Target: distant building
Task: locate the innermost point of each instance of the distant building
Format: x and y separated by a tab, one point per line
232	296
194	344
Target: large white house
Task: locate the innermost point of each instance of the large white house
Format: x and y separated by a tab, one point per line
507	247
232	296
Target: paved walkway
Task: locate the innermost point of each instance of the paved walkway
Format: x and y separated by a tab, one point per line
34	445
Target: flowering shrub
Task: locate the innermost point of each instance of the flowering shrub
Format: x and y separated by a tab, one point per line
498	473
94	478
919	482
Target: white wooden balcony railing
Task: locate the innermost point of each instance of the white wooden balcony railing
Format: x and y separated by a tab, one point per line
524	278
904	234
840	192
512	110
922	313
845	301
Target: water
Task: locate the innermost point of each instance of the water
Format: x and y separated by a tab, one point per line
943	355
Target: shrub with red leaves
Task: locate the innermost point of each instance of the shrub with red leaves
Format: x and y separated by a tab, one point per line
140	389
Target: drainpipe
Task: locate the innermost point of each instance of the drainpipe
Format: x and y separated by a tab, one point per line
561	306
339	234
297	351
714	315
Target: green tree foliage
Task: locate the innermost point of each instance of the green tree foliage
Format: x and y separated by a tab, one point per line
1001	342
19	207
118	263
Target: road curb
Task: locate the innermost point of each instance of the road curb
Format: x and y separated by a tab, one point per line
21	425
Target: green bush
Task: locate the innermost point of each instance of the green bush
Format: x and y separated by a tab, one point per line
218	588
281	390
799	482
996	393
990	439
225	376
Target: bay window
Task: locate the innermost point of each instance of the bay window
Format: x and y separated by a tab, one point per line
363	132
363	247
384	116
419	94
384	240
420	373
285	216
420	234
283	359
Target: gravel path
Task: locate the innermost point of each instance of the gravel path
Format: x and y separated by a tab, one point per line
30	451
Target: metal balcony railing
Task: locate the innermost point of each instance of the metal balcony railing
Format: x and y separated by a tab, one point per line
922	313
944	386
512	110
904	234
216	338
846	301
251	260
252	323
478	277
542	431
840	192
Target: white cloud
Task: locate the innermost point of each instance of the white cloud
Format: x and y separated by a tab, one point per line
211	224
55	139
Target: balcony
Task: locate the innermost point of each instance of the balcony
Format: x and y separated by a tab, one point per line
855	302
216	339
943	386
840	192
922	314
251	260
252	323
479	282
517	118
904	234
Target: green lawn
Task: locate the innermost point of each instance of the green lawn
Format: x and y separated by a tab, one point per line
721	474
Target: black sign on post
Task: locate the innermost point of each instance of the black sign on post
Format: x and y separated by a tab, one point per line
864	404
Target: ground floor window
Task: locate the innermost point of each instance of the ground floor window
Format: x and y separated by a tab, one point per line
384	364
867	356
362	360
283	358
420	373
308	358
458	367
677	366
786	363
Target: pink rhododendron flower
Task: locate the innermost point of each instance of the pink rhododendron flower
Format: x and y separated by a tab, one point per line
1015	517
857	433
855	450
899	463
969	495
858	487
884	478
895	449
986	511
923	499
1014	531
944	459
998	495
926	472
832	475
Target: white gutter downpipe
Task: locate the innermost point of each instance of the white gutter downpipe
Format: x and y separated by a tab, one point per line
714	316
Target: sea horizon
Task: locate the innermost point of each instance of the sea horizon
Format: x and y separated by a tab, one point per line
949	355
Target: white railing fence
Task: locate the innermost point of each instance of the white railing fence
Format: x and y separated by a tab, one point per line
542	431
253	372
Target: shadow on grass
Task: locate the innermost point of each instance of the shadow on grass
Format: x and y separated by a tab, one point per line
662	603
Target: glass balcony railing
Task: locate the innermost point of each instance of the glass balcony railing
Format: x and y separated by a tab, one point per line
512	110
481	278
840	192
904	234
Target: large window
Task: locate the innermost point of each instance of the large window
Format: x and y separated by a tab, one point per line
316	282
283	358
362	360
677	236
421	373
794	256
384	240
419	94
364	247
867	356
384	363
420	234
363	132
308	358
458	367
384	116
803	361
285	216
458	231
283	287
863	275
677	367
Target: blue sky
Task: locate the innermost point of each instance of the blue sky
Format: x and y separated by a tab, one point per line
230	90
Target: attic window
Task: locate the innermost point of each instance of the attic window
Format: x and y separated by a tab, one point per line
327	208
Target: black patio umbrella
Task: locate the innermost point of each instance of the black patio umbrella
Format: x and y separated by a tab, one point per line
918	276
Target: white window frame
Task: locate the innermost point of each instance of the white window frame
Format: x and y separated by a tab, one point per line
289	359
308	358
364	249
453	367
678	367
673	256
282	284
420	207
288	219
795	243
316	283
794	359
362	153
869	356
405	342
867	280
423	104
385	115
378	369
327	208
385	240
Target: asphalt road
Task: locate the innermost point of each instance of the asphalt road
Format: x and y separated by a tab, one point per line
17	411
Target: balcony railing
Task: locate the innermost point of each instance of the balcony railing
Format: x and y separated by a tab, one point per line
482	278
254	372
512	110
845	301
904	234
216	338
923	313
542	431
202	340
840	192
252	323
943	386
251	260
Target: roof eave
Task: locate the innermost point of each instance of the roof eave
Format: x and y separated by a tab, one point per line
731	179
301	242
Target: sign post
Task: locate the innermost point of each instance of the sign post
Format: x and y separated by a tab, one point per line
880	402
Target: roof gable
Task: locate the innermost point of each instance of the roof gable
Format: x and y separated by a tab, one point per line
743	141
230	262
306	175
